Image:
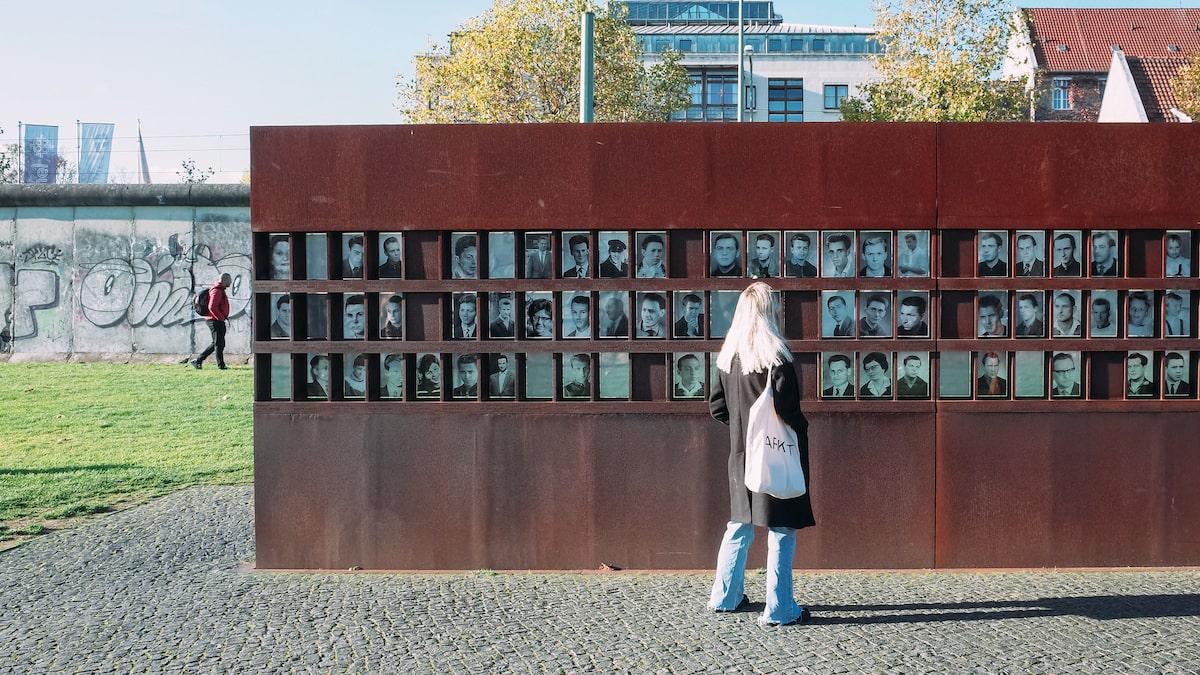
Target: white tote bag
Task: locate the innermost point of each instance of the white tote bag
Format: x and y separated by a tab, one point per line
772	451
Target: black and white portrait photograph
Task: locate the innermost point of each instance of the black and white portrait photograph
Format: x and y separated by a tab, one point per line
837	375
539	376
875	373
539	315
466	377
1177	314
725	254
874	314
912	253
613	247
502	376
352	255
1030	258
954	375
991	374
429	376
576	376
1103	313
837	319
801	253
464	255
317	305
1176	379
991	314
539	263
281	316
1066	373
1029	374
576	255
912	310
613	311
464	324
317	378
1177	253
688	371
577	315
614	376
391	316
1106	254
354	375
876	254
279	259
993	253
838	250
1140	377
1139	313
281	376
651	315
316	256
391	376
912	375
720	312
651	255
1067	319
1031	314
762	254
391	255
502	312
689	314
501	252
354	317
1067	256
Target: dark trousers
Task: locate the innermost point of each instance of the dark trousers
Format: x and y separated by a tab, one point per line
217	328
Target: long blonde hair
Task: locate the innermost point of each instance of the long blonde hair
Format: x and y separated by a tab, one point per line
754	337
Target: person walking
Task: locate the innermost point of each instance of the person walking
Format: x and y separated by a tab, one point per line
218	314
753	357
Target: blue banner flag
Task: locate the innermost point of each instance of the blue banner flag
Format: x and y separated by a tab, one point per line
41	154
95	150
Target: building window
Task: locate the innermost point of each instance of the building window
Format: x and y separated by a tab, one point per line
835	94
1061	94
797	45
785	100
685	45
662	45
818	45
714	97
775	44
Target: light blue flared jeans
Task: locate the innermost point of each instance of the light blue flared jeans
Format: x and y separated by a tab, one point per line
729	586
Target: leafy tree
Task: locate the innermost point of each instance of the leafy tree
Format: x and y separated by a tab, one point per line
938	64
66	171
519	62
191	174
1186	85
6	165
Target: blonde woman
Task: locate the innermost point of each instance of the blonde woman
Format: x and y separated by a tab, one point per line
755	348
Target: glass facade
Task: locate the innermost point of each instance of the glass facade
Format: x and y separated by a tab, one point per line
793	44
723	13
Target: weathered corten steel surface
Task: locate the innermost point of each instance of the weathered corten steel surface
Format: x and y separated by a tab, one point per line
561	176
1086	489
555	491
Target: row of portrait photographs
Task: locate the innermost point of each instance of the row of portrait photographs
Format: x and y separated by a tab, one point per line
475	376
873	317
986	375
1030	254
1043	314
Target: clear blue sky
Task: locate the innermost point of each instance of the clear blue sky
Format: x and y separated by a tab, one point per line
200	73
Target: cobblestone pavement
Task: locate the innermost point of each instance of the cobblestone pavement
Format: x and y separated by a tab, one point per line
157	589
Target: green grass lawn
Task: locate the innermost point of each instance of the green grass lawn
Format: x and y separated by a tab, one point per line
83	438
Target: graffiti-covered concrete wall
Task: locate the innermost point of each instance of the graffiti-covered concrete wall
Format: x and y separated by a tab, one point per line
98	272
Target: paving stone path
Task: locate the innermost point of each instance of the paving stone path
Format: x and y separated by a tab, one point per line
158	589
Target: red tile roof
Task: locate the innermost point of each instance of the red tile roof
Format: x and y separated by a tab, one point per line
1153	80
1089	34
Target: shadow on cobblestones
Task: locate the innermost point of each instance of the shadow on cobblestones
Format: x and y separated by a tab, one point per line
1097	607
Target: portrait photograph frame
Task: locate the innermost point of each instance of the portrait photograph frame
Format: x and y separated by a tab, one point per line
801	243
913	383
913	261
992	254
502	315
1029	314
1105	260
1141	375
279	256
830	383
318	372
571	267
427	384
392	376
721	306
353	257
538	315
719	253
656	332
501	376
1176	313
873	263
1181	363
390	258
688	380
760	243
992	317
984	375
1064	299
576	306
874	322
501	255
1140	322
1030	259
1066	374
577	380
464	379
614	246
354	375
651	246
354	316
1104	313
464	321
612	326
281	319
688	314
912	314
849	265
391	313
876	374
1178	260
464	255
1068	254
539	260
832	326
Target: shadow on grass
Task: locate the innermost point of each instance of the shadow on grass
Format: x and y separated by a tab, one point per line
1098	607
65	469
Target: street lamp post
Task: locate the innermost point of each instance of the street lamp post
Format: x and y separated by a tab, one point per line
741	79
751	102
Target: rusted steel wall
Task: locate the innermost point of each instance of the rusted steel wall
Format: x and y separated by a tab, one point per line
641	484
